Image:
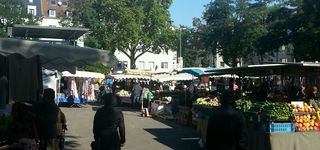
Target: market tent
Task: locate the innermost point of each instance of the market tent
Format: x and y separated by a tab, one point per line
193	71
55	56
125	76
142	72
157	77
83	74
177	77
292	69
197	71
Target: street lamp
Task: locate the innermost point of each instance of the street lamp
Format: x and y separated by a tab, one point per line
180	59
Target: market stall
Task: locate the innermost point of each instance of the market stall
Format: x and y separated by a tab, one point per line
280	114
21	83
81	85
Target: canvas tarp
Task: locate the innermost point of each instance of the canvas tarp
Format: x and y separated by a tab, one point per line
125	76
55	56
177	77
83	74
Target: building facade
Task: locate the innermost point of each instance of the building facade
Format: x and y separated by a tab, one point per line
162	62
283	55
54	8
33	7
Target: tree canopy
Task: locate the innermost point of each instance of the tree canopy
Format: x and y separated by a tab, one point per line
239	28
133	27
13	12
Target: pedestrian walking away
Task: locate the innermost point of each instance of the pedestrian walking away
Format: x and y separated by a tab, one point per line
227	127
108	125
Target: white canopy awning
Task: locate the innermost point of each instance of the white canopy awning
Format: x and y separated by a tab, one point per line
83	74
125	76
55	56
177	77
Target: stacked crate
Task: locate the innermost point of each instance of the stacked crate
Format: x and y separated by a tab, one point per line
183	115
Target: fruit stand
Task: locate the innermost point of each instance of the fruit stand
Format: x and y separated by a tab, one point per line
282	122
125	96
201	110
274	125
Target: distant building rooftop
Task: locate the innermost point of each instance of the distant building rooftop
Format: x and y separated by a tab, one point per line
34	31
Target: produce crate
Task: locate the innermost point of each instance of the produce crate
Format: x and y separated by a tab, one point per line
281	127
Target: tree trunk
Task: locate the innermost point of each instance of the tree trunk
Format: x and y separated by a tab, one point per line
132	63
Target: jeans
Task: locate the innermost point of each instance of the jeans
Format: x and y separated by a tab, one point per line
136	100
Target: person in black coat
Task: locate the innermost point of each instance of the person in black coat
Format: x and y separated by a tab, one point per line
47	114
107	121
226	127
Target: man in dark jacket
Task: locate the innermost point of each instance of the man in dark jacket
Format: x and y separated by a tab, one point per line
107	121
227	127
48	112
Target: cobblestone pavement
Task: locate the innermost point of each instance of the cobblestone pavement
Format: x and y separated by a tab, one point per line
141	133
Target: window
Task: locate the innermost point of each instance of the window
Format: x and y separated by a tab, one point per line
64	3
32	10
222	64
164	65
30	1
151	65
141	65
53	2
284	60
68	13
52	13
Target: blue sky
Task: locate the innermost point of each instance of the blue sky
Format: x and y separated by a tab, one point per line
182	11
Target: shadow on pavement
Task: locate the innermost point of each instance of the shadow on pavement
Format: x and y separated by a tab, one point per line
174	139
122	108
95	103
71	142
177	137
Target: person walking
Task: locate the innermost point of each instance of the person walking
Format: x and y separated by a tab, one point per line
136	93
107	121
226	127
47	113
61	127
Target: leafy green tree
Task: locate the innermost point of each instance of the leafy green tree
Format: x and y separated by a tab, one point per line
100	67
14	12
304	30
192	44
133	27
296	23
226	28
240	28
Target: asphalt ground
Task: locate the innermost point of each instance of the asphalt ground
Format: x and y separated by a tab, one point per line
142	133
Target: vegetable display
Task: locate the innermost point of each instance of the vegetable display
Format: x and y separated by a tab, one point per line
207	101
278	112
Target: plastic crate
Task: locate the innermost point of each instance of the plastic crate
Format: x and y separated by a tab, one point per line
281	127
